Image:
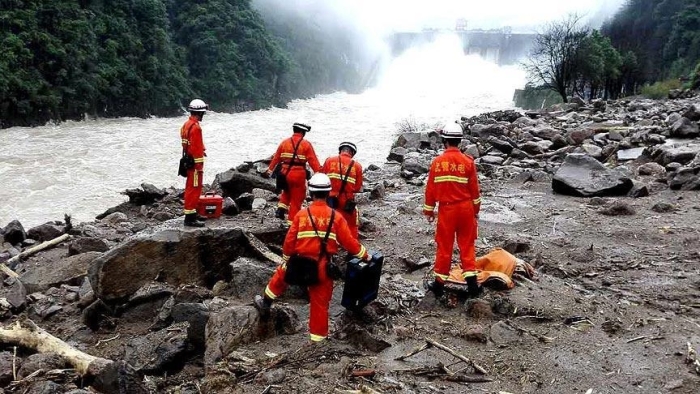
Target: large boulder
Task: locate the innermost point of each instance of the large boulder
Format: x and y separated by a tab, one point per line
584	176
416	141
416	165
239	325
692	113
675	152
174	255
685	128
70	270
249	277
157	352
146	195
87	244
45	232
397	154
577	136
234	183
14	232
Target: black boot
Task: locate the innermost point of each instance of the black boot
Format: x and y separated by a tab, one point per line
438	288
473	288
280	213
191	220
263	305
201	218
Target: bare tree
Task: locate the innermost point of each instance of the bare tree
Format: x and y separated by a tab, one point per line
553	59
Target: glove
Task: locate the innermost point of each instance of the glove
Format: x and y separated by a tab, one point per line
430	215
265	174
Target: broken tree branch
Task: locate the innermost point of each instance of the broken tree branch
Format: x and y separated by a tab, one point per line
38	248
440	346
109	375
414	352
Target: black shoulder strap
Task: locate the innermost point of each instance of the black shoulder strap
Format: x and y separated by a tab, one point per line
347	175
324	241
294	156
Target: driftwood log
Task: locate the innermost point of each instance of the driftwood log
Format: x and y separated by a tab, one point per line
105	375
29	252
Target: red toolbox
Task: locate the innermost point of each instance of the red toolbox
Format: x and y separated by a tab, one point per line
210	205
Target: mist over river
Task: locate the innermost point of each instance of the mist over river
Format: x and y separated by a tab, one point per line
79	168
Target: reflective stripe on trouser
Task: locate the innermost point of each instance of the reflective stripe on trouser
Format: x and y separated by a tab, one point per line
319	297
296	193
193	189
455	221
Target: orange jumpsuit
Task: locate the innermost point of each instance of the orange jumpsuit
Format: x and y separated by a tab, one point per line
336	167
191	135
301	239
453	184
292	199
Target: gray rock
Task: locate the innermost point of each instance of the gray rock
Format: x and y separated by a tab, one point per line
501	144
70	270
14	233
259	203
45	232
234	183
584	176
115	218
692	184
629	154
673	118
663	207
264	194
37	361
243	167
197	316
533	148
472	150
416	141
397	154
6	367
681	177
577	136
230	207
156	352
245	201
44	387
378	191
651	169
416	165
692	113
175	255
484	131
592	150
240	325
685	128
639	190
373	167
16	295
618	208
674	151
546	133
87	244
493	160
146	195
162	217
249	277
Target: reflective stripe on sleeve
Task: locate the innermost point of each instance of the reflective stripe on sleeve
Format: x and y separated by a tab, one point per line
362	252
199	160
428	208
269	293
477	201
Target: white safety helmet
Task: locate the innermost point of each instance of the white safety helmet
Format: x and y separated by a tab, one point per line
347	144
198	105
298	126
452	131
320	183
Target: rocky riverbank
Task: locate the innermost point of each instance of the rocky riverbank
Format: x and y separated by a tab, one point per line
600	197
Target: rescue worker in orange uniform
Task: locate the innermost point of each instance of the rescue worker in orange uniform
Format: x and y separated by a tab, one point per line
292	155
454	187
193	145
304	240
345	182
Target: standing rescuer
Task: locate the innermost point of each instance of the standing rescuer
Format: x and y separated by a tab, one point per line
453	185
292	155
346	180
193	145
310	230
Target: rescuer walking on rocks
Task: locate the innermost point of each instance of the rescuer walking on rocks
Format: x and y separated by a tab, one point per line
453	185
289	164
311	241
346	180
193	146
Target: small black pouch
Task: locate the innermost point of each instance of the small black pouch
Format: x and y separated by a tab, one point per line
281	182
301	271
333	271
186	163
350	206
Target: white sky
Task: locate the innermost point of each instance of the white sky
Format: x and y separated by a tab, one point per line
387	15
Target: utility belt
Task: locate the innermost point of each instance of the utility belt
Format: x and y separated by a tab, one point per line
349	205
303	270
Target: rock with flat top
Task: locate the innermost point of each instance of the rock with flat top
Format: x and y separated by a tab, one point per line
584	176
70	270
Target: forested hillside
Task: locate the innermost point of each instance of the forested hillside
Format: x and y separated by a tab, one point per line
664	35
63	59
